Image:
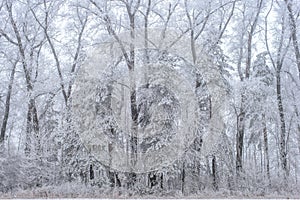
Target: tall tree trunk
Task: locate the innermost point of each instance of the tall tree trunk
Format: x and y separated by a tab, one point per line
7	103
32	129
240	138
282	138
32	116
133	97
298	127
183	178
266	149
214	173
242	114
293	28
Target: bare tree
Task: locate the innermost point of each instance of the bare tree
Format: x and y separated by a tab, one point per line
293	28
277	63
247	34
20	39
132	9
7	102
49	12
198	21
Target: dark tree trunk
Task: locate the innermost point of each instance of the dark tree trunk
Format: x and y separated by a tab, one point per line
155	178
28	133
282	138
32	129
114	179
162	181
32	116
266	149
152	180
240	142
183	178
214	173
7	104
92	176
134	117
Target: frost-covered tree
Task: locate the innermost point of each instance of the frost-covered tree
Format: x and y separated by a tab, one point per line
149	97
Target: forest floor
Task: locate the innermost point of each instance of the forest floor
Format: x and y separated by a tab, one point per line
33	195
85	192
150	199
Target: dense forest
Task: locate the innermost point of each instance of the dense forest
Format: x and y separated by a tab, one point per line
161	98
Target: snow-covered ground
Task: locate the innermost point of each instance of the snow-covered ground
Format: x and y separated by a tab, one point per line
157	198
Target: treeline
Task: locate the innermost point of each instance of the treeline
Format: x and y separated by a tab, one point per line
246	54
